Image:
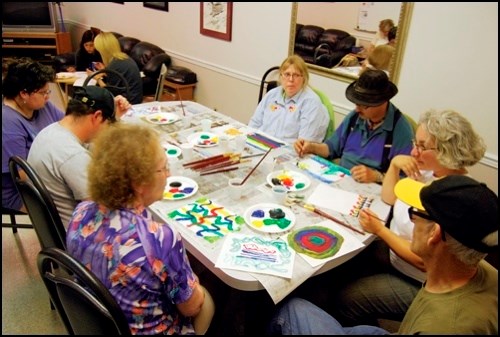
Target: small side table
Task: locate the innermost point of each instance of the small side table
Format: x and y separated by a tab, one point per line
178	92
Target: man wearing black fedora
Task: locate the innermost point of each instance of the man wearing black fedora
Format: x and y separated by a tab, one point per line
370	135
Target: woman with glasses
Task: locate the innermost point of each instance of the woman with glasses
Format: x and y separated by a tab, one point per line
445	144
142	262
26	110
292	110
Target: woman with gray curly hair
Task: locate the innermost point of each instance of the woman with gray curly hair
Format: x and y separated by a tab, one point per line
445	144
141	261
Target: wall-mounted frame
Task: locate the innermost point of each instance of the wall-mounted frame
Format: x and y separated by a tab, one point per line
162	6
216	19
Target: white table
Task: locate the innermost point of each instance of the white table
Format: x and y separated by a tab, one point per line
256	191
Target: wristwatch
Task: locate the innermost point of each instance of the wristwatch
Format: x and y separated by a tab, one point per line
380	177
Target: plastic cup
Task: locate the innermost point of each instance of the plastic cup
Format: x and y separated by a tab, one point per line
206	124
235	189
187	151
279	194
186	121
224	143
240	143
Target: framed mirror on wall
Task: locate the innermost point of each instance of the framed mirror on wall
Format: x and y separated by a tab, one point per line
357	26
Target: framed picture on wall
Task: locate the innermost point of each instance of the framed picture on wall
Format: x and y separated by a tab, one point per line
216	19
163	6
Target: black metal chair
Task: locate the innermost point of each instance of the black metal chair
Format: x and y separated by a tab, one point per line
13	221
115	90
41	208
83	302
268	84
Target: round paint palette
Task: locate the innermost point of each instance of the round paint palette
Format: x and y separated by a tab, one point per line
292	180
179	188
172	151
269	218
203	139
162	118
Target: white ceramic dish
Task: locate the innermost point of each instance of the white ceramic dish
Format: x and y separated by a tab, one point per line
178	188
203	139
265	218
294	181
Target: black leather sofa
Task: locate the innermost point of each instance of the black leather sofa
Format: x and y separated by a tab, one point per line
148	57
322	47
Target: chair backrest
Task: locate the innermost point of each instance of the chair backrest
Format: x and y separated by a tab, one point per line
83	302
329	107
412	122
41	208
115	90
161	80
268	84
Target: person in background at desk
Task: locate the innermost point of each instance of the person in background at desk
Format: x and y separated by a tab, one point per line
26	110
292	110
59	153
114	59
379	58
370	135
445	144
456	226
86	54
142	262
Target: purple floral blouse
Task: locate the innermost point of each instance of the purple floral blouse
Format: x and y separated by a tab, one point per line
142	262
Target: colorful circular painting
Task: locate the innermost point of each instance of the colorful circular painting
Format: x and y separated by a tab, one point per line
292	180
203	139
316	241
269	218
179	188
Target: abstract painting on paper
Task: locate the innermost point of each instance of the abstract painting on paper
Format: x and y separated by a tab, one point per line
207	220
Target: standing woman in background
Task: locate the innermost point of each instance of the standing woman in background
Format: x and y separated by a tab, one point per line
87	54
114	59
26	110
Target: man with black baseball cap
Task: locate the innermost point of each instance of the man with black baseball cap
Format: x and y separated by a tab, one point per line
59	153
370	135
456	225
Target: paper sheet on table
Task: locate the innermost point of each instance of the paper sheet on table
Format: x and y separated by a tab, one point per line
256	254
345	202
278	287
350	242
80	80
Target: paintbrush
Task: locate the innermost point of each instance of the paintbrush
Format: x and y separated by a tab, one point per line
250	173
210	163
225	169
330	217
180	100
196	162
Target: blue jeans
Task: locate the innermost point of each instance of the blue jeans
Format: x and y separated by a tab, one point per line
300	317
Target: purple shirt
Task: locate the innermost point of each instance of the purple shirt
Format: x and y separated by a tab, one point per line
17	135
142	262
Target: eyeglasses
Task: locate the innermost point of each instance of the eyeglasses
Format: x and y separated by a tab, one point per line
415	211
43	92
291	76
421	148
165	170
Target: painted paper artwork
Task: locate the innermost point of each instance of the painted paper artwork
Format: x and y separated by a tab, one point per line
207	220
316	241
322	169
257	254
322	242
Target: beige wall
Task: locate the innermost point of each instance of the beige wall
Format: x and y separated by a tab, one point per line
443	64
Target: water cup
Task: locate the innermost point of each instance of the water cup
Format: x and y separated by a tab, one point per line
187	151
240	143
186	121
206	124
175	166
235	189
279	194
224	143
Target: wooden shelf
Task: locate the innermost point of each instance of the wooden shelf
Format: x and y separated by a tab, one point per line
173	90
40	46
